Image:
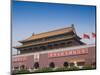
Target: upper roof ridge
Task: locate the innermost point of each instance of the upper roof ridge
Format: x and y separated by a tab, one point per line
50	33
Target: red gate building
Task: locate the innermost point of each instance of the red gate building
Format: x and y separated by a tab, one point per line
57	48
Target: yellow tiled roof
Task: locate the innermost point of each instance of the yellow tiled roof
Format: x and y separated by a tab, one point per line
48	34
48	41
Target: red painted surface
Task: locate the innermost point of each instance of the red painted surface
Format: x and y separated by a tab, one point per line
87	54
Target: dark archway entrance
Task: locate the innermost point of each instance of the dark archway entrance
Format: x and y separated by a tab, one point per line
52	65
65	64
36	65
22	67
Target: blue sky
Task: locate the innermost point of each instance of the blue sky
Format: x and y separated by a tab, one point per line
34	17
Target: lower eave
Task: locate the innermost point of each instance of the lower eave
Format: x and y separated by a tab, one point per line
54	40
